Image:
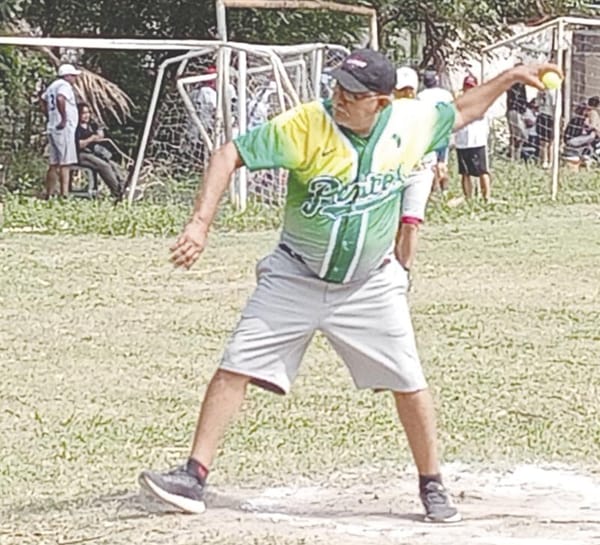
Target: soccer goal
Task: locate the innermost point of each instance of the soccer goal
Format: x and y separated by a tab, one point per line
208	91
573	44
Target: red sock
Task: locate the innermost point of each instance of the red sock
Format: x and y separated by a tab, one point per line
197	469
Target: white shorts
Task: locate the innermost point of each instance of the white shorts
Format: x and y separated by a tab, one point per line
62	149
367	322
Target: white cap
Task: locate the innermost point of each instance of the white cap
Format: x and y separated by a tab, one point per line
67	70
407	77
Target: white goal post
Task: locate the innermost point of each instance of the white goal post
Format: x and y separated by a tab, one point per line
254	63
177	136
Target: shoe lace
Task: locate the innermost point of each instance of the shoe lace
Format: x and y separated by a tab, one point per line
436	495
178	470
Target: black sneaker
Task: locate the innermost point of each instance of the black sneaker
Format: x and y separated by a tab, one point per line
437	504
177	487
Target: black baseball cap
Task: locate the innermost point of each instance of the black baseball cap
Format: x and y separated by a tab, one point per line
365	71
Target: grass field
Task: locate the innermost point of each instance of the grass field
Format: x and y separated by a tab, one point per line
106	351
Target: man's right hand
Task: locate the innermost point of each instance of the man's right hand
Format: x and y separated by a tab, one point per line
61	125
190	244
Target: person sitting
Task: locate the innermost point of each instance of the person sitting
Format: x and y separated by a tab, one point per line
579	137
93	153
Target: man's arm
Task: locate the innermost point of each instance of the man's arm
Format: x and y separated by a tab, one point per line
192	241
44	106
475	102
61	103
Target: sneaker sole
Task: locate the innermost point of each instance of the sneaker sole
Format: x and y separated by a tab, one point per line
184	504
449	520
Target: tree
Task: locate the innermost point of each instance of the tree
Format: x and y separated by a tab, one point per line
454	29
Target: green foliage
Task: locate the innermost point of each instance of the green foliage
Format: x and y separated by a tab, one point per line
517	189
81	216
464	27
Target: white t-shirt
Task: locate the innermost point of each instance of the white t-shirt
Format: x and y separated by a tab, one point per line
259	106
50	95
435	95
205	101
473	135
545	101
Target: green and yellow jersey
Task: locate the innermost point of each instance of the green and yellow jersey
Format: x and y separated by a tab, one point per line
344	191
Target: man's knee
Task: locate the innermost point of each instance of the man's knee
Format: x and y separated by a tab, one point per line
226	378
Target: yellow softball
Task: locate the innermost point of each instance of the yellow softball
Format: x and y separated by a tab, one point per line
551	79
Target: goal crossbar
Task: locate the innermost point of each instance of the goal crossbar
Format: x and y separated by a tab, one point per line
371	13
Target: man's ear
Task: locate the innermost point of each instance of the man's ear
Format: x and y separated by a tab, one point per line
383	101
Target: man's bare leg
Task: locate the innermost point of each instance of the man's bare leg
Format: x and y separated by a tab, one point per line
467	186
417	416
51	178
485	185
65	180
184	486
442	175
222	401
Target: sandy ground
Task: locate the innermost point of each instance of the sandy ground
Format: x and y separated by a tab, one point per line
530	505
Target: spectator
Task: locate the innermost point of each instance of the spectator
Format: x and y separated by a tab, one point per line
259	106
544	125
93	154
516	104
418	185
205	98
593	113
532	148
580	137
471	150
579	126
60	107
434	94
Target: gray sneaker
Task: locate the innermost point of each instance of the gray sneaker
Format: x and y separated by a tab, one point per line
437	504
177	487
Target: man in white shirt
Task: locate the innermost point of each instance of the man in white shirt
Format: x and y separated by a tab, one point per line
434	94
471	149
59	105
545	125
418	187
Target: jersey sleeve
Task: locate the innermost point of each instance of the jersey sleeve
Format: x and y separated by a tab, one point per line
442	126
279	143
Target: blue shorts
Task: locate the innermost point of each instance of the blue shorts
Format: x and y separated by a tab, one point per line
442	154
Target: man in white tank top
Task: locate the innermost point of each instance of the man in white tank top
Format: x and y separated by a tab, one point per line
60	106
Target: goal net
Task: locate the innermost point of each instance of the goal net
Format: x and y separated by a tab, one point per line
551	129
201	106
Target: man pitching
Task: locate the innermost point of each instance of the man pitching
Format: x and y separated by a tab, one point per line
334	268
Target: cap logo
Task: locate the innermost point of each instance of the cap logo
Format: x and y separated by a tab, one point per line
358	63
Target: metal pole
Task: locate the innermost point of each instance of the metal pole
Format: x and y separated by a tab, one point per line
221	13
568	67
374	31
557	111
242	173
146	134
318	72
149	119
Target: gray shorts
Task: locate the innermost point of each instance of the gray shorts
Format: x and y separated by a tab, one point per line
367	322
62	149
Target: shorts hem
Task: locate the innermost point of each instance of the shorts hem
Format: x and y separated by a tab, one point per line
262	381
400	390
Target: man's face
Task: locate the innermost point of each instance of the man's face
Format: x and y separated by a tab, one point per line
356	110
70	78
